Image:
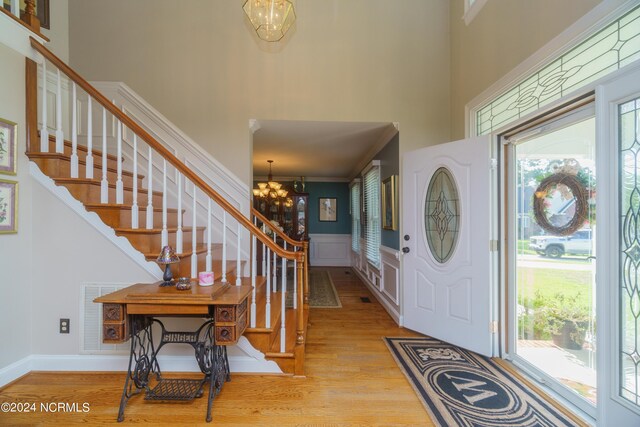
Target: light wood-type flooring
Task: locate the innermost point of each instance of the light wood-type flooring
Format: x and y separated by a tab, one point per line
351	380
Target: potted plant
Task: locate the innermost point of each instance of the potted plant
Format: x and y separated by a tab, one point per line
566	320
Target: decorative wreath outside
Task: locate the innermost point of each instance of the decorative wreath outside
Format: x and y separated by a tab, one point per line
579	192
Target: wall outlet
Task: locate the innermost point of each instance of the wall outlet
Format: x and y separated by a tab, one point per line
64	326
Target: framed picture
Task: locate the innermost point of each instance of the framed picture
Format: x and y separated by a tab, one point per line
42	11
328	209
390	203
8	146
8	206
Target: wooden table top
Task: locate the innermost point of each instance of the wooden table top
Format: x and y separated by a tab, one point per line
153	293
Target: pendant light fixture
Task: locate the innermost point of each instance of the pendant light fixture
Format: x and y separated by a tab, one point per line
271	19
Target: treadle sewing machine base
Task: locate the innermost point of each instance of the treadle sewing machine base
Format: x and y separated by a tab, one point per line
131	313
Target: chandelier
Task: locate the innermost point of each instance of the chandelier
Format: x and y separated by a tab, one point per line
270	18
272	190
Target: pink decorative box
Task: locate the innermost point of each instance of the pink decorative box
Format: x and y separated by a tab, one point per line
205	278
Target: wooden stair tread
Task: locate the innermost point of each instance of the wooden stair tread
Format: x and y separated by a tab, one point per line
97	182
82	161
290	342
200	249
143	230
126	207
261	309
83	148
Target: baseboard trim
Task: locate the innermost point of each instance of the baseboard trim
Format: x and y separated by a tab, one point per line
381	299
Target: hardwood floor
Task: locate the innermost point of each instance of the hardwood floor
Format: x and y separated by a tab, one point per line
351	380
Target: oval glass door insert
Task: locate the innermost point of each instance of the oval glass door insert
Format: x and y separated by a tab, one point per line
442	215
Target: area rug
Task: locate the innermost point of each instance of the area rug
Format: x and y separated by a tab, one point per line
322	291
461	388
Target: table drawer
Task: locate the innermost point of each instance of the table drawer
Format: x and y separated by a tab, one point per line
115	324
230	313
230	333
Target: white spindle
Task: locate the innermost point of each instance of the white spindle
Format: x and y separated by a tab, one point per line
283	335
194	238
59	132
238	253
208	261
165	233
15	7
104	184
267	317
44	130
253	280
89	159
149	190
224	246
283	273
264	258
295	283
119	184
275	270
179	231
134	205
74	131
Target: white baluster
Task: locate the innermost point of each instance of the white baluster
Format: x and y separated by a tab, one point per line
44	130
283	273
119	184
89	159
15	7
267	317
165	233
208	260
238	253
295	282
264	258
134	205
149	191
104	184
194	238
283	335
179	231
224	246
275	263
253	281
74	131
59	132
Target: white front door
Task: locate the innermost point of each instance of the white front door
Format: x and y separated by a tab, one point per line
447	287
618	249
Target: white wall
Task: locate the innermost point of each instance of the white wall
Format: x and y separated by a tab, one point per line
201	65
15	249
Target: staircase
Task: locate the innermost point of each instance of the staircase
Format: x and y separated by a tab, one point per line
143	192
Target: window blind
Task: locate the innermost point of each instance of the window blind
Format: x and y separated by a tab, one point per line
355	217
372	215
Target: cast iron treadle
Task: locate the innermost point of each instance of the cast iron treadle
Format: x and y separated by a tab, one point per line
175	389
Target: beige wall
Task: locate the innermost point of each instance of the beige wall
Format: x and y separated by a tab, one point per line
502	35
199	63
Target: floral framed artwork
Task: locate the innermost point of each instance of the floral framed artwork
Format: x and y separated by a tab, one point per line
8	146
390	203
327	209
8	206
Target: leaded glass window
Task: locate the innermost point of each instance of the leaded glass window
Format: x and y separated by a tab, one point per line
629	139
613	47
442	215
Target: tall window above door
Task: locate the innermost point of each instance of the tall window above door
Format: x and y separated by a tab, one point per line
611	48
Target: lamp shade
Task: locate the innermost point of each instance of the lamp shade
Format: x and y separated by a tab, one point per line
167	256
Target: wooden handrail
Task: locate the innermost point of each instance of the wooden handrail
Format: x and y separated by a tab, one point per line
280	233
24	24
165	153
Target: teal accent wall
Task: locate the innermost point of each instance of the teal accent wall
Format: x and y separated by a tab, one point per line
389	158
339	190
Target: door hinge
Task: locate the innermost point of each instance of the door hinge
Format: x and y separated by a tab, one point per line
493	246
493	326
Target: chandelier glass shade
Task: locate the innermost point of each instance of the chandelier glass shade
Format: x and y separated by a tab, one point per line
272	190
271	19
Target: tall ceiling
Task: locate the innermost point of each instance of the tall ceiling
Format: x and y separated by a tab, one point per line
329	150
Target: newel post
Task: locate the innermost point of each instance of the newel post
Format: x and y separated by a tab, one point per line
29	16
31	86
300	310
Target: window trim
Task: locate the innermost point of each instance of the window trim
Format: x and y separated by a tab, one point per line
356	239
375	263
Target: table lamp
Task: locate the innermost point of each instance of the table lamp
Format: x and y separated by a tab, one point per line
167	256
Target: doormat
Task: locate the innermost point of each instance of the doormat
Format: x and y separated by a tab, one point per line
461	388
322	291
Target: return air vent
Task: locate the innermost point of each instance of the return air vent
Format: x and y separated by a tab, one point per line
91	324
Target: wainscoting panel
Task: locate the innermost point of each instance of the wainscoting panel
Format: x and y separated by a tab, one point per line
330	250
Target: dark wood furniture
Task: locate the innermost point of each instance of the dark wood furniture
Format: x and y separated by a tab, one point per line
293	219
131	313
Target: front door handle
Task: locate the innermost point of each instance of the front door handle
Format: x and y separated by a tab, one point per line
406	250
